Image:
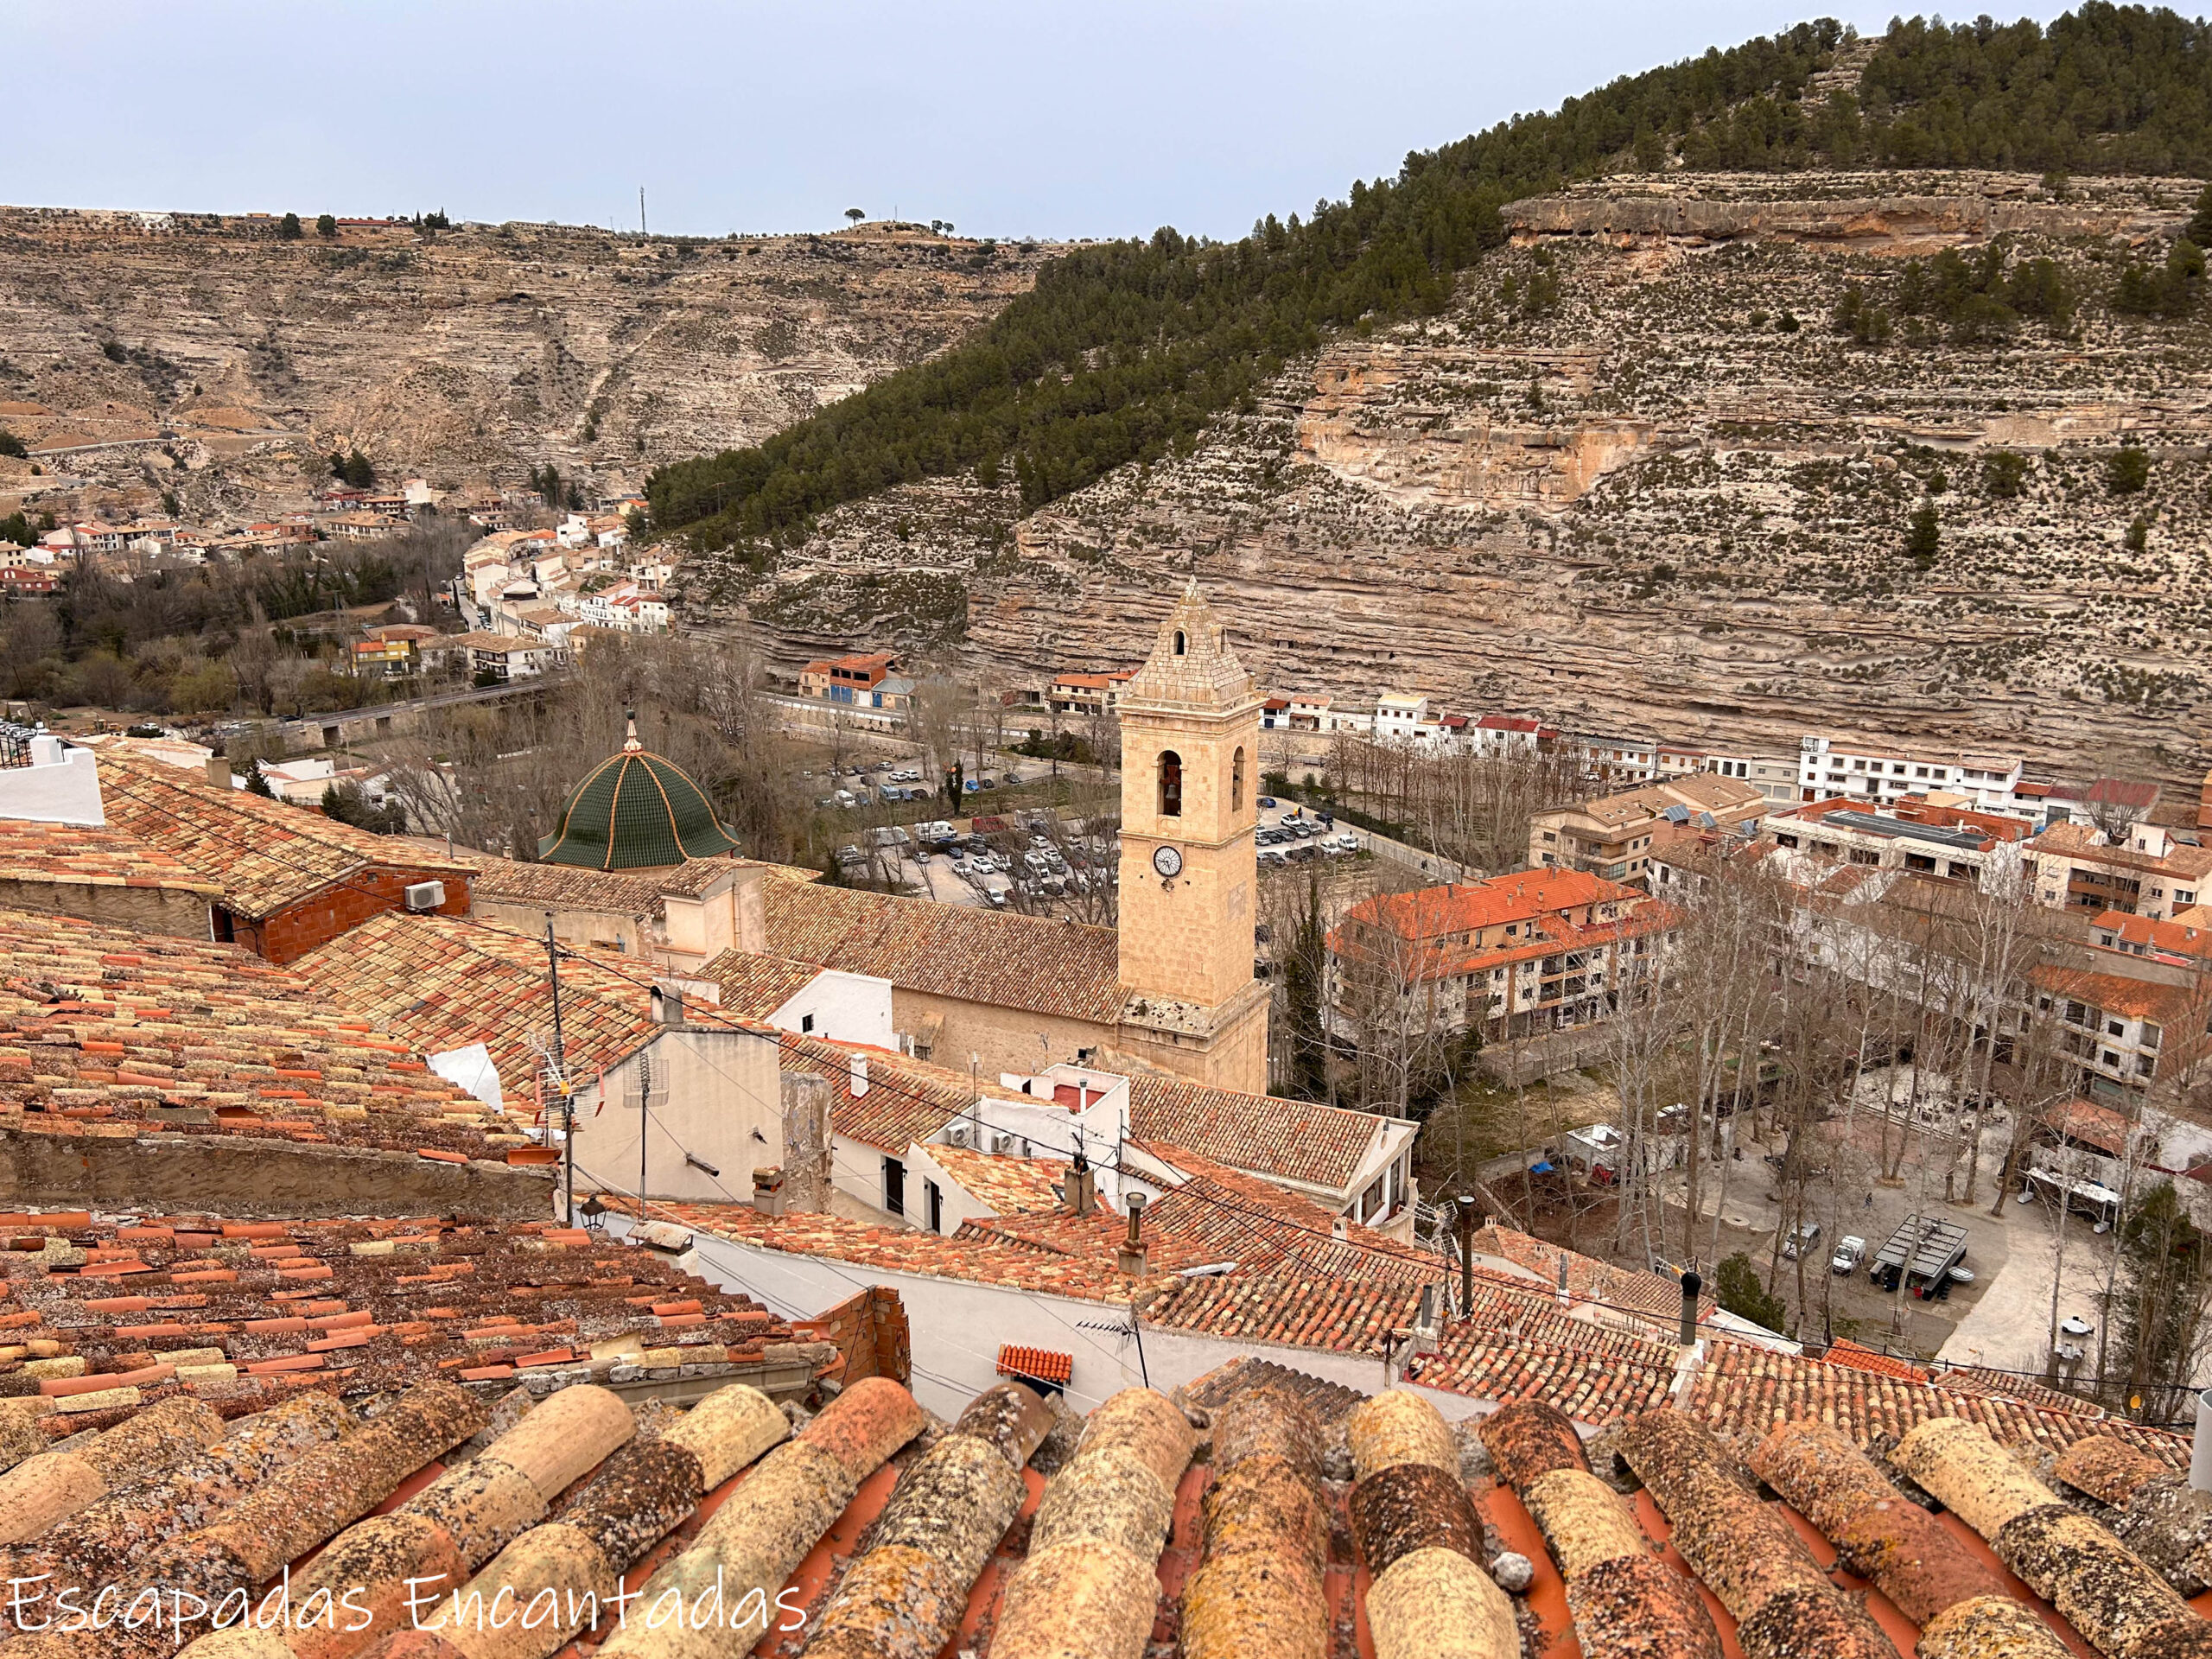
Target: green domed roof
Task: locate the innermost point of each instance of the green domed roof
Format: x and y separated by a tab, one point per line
636	811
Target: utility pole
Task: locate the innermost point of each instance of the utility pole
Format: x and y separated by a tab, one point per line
641	210
1465	1203
561	1078
645	1117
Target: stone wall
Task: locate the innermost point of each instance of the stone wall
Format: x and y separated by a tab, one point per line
246	1178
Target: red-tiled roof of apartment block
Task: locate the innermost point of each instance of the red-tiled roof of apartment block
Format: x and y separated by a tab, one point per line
266	854
106	1317
1340	1524
1063	968
2123	994
1296	1141
104	1031
75	855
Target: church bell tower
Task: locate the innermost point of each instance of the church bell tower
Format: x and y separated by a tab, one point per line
1190	787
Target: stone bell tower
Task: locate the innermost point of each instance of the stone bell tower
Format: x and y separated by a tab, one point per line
1190	785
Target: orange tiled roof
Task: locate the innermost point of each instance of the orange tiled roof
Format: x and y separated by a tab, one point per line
1287	1140
440	982
73	855
1010	1185
974	1258
1068	968
755	986
1859	1358
2135	999
1041	1363
266	853
98	1026
1748	1390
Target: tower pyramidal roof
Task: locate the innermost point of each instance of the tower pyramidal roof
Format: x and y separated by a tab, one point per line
1191	665
636	810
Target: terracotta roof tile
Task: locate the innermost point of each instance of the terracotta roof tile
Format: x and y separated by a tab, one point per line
1068	968
74	855
1288	1140
266	854
100	1027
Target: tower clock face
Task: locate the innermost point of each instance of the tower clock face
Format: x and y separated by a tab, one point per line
1168	861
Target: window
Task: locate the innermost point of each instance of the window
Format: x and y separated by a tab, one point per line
1170	781
2144	1066
1785	841
1861	855
1236	780
895	1186
2109	1059
806	1022
937	1206
2114	1028
2150	1039
1181	643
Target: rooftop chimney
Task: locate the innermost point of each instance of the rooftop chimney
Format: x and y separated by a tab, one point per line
1339	1227
218	773
1082	1191
1692	1284
668	1007
768	1189
1131	1259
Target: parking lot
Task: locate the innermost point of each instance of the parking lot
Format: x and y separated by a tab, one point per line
1292	835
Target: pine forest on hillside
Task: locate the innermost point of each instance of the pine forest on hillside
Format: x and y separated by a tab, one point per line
1125	351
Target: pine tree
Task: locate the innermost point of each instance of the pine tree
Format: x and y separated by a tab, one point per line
1925	536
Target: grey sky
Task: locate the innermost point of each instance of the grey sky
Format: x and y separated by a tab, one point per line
1006	117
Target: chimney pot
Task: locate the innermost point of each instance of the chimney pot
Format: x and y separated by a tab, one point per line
1081	1189
218	773
1691	1286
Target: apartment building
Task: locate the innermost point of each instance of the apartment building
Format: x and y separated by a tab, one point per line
1503	735
2077	869
846	679
1614	836
1515	956
1089	694
1871	770
2121	1034
1774	776
1616	759
1949	842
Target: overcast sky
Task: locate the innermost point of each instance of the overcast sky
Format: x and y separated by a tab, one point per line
1020	118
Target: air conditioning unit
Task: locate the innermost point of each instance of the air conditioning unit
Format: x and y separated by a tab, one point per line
425	895
956	1135
1002	1143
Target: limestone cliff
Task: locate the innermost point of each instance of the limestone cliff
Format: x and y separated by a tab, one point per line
213	357
1637	479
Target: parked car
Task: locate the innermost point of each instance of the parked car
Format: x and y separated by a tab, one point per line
1800	1240
844	798
1848	1255
1267	801
1961	1274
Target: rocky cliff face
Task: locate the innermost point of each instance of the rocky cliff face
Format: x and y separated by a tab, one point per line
1638	480
217	359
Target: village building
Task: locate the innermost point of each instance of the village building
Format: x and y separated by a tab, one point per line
1515	955
1871	770
291	879
1094	695
2078	867
855	680
1904	833
1617	836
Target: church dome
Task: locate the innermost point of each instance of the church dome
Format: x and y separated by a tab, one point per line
637	810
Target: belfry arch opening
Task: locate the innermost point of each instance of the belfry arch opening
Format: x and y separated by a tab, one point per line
1236	780
1171	783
